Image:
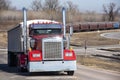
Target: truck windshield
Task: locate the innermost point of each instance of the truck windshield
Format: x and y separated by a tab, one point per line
45	26
45	31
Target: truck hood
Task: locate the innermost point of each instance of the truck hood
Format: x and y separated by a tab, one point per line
39	37
38	40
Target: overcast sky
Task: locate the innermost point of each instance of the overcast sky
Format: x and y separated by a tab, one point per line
83	5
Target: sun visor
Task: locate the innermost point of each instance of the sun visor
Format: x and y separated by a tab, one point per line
44	26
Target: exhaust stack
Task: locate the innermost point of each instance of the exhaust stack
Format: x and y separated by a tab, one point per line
64	20
25	29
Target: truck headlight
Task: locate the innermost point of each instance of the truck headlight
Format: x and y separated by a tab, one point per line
36	55
32	43
69	54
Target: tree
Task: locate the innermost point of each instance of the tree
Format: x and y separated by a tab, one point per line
90	16
110	11
72	11
71	6
37	5
4	4
51	5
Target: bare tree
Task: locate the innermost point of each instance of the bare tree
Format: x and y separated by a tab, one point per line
72	11
71	6
51	4
110	12
4	4
90	16
51	7
36	5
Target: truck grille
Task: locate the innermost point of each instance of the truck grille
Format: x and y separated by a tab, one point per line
52	48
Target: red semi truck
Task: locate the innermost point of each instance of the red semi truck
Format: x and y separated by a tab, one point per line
41	46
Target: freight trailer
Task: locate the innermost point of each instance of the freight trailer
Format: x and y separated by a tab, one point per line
41	46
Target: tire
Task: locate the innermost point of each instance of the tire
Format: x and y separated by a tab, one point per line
21	69
71	73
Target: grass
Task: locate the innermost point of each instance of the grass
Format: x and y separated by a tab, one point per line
98	63
7	25
3	41
92	38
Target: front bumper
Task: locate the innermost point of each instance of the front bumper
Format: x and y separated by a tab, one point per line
45	66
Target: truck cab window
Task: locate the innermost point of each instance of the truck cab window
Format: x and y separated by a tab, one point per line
45	31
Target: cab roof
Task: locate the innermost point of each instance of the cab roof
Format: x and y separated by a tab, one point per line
40	21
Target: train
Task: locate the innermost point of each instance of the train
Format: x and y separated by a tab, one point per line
93	26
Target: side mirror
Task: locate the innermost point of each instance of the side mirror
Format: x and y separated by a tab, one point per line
32	43
71	30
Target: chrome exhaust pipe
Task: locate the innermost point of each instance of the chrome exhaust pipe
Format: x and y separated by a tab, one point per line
25	30
66	38
64	20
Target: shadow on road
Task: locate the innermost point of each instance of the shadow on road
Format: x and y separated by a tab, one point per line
14	70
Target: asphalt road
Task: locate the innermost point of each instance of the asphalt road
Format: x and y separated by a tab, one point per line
97	50
82	73
112	35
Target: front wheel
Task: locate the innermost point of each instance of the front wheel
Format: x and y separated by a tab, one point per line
22	69
70	73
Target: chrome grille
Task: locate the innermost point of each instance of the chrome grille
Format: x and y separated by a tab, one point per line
52	48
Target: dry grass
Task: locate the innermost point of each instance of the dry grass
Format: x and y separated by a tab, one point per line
3	39
98	63
5	26
92	38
